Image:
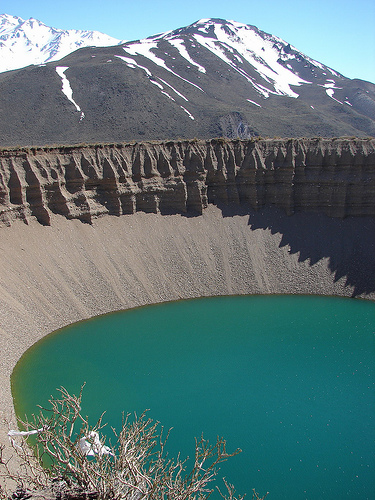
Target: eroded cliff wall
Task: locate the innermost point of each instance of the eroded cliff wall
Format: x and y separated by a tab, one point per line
331	176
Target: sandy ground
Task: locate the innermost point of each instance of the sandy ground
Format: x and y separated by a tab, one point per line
69	271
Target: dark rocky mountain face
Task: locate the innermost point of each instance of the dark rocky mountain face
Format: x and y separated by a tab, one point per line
213	78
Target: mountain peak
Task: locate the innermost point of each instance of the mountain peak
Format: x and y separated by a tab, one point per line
25	42
268	63
8	20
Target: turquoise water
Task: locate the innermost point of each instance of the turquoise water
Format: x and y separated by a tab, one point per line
288	379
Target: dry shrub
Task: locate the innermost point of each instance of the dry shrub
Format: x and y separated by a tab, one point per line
70	459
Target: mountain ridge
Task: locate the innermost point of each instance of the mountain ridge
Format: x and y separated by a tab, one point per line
24	42
209	79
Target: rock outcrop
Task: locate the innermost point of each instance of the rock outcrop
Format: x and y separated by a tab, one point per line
331	176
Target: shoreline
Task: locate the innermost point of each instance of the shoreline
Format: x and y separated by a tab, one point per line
70	271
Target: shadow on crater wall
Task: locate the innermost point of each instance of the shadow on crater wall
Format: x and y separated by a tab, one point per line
348	243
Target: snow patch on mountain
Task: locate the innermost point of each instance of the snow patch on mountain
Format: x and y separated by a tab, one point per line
144	48
188	113
174	90
131	63
247	45
179	45
67	89
31	42
330	88
255	103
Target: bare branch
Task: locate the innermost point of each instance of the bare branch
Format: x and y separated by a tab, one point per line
68	450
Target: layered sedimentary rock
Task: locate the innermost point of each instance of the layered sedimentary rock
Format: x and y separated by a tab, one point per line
331	176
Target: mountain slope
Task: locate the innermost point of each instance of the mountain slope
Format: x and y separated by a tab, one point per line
31	42
212	78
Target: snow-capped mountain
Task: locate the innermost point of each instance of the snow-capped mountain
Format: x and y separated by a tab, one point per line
31	42
238	46
212	78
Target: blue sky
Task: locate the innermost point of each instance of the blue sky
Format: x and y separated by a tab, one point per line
338	33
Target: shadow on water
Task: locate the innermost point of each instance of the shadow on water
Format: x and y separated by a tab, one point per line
348	243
